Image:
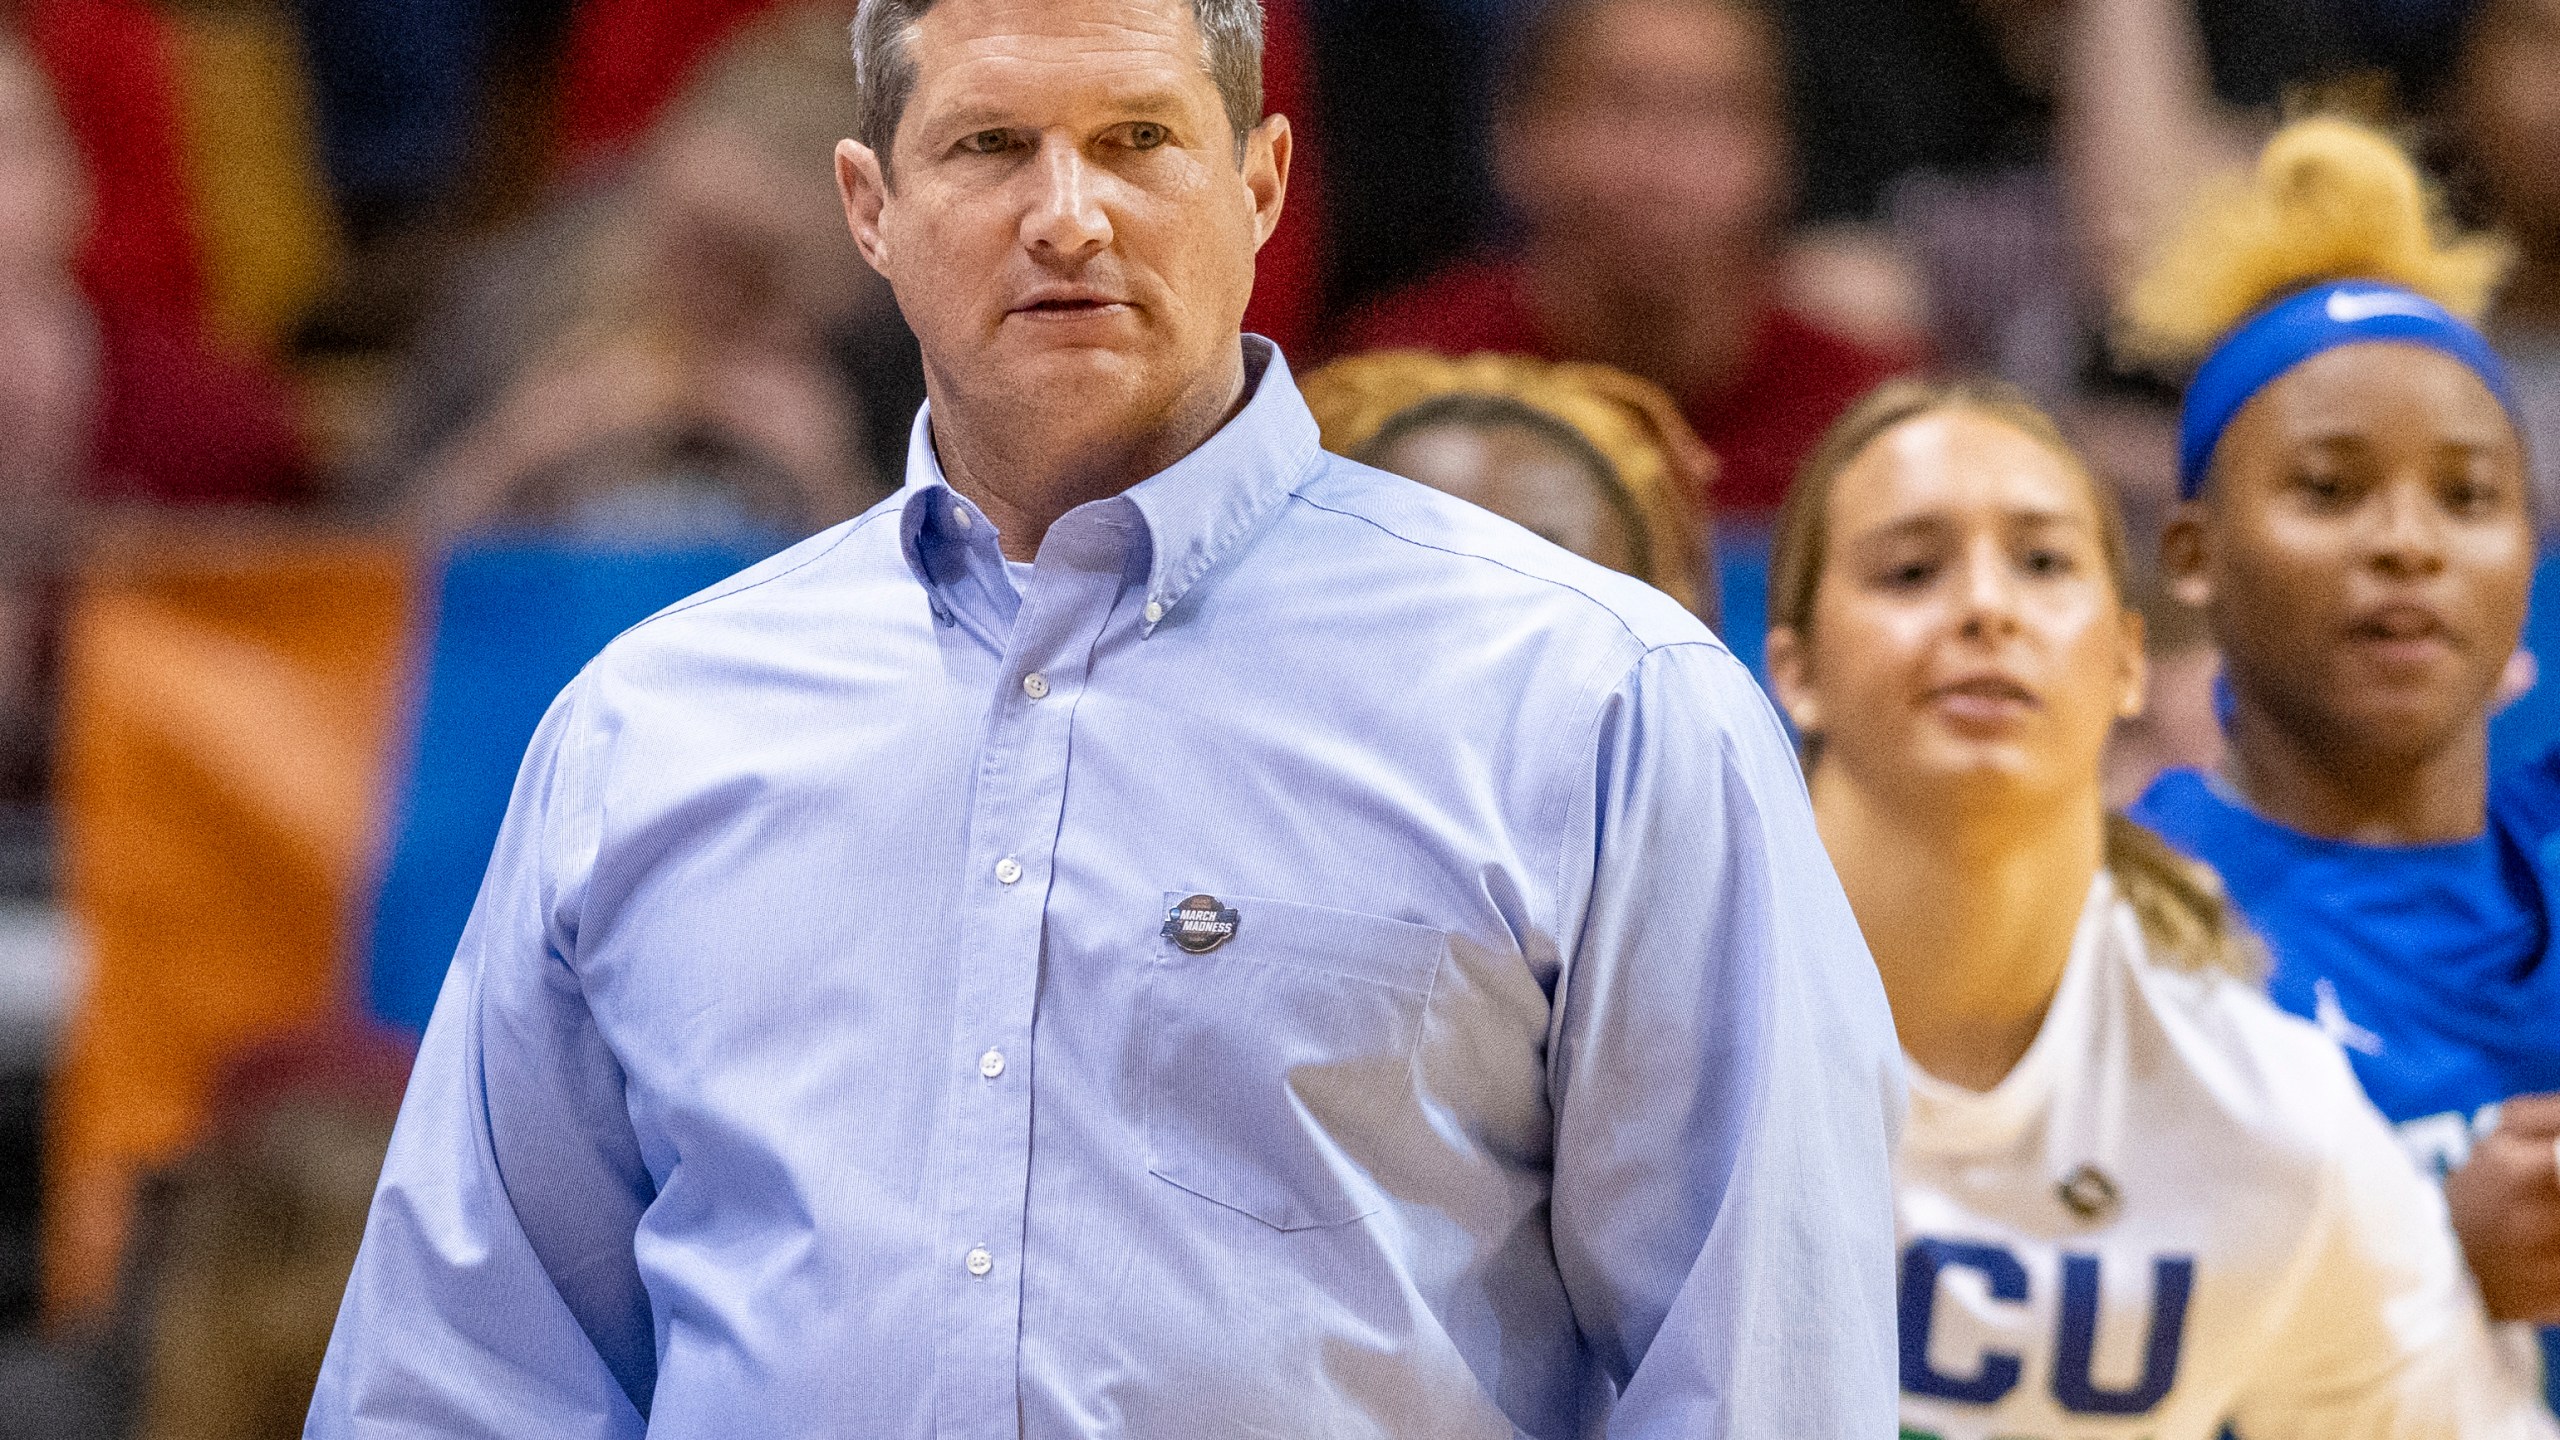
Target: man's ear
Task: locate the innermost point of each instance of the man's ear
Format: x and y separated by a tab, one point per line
1266	173
865	190
2185	553
1785	658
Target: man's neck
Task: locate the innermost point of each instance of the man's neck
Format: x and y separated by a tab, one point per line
1970	919
2327	790
1686	338
1025	465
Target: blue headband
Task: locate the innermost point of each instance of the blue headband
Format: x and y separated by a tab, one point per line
2302	325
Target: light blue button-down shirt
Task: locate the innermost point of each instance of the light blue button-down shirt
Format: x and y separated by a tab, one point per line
817	1063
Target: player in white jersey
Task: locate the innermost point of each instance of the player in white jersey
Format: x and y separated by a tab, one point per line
2135	1200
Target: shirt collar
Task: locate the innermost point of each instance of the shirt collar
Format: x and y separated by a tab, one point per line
1194	513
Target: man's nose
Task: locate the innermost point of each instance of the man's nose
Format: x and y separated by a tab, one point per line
1066	220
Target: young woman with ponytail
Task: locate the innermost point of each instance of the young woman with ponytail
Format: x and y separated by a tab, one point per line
2358	532
2134	1198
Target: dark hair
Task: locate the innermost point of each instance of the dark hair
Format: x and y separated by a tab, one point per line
1528	50
884	74
1477	410
2184	912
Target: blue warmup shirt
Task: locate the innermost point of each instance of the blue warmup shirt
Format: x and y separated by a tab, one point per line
2429	964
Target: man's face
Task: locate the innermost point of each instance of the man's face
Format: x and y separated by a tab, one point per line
1657	148
1064	216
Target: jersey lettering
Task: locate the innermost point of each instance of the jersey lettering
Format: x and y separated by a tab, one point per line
1999	1372
2075	1344
2173	1280
2441	1143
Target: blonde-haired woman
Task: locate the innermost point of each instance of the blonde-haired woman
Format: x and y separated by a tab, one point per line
2133	1198
2358	532
1591	458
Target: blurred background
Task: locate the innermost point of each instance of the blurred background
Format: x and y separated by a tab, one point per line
365	365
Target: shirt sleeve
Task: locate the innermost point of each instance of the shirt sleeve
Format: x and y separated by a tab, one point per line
1727	1083
2386	1335
497	1293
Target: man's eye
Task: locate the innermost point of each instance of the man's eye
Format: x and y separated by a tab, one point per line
988	142
2322	489
1147	136
1909	575
2044	561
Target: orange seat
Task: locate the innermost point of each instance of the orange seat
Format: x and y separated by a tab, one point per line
227	706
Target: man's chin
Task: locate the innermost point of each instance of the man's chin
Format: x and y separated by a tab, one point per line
1091	379
1030	337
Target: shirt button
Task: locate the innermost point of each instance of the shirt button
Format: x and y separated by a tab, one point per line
991	1064
1008	870
1155	611
960	516
1035	685
979	1261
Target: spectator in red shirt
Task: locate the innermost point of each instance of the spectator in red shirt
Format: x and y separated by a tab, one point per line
1644	147
178	418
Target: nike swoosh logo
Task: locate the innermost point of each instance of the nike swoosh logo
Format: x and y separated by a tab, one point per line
2331	1018
2350	307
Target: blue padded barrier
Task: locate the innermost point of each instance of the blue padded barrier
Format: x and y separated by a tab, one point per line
514	621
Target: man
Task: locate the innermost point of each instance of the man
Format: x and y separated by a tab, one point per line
1643	145
1151	931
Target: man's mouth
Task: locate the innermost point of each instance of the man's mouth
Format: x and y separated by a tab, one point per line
1070	305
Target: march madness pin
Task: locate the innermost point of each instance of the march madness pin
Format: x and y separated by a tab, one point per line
2089	1194
1200	924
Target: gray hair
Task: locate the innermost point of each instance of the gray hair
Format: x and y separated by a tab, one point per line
884	74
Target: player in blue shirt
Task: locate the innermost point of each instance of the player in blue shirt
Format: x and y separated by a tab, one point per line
2357	533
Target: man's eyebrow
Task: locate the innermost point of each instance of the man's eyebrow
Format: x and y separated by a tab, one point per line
1150	104
972	119
969	119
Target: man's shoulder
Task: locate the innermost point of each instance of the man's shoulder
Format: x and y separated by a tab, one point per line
812	582
1485	570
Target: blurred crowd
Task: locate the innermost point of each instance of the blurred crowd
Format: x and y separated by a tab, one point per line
369	363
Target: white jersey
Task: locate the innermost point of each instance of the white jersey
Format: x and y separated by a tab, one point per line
2178	1211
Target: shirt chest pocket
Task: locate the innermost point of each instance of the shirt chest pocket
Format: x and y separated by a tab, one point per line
1279	1062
